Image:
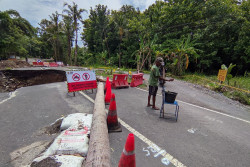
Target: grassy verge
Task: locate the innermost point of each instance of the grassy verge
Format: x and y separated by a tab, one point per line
143	86
236	89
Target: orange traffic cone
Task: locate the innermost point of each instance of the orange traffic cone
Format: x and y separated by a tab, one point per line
108	94
128	155
112	120
106	85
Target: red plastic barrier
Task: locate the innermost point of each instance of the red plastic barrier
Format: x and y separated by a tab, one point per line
53	64
40	64
120	81
35	64
60	63
46	64
137	79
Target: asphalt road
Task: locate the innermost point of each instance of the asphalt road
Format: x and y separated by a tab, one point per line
199	138
211	130
27	112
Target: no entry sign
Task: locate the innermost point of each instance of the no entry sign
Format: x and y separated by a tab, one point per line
81	80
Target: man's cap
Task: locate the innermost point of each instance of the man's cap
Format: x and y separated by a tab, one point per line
159	59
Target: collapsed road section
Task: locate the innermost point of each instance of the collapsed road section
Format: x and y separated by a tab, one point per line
11	80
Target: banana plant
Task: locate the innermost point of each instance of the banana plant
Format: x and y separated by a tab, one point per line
229	76
179	52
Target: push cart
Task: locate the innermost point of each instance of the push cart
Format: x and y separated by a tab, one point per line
169	98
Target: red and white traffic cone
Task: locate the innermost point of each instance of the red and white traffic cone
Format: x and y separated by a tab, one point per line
108	94
128	155
112	120
106	85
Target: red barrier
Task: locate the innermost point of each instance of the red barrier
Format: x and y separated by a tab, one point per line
137	79
120	81
60	63
40	64
53	64
46	64
35	64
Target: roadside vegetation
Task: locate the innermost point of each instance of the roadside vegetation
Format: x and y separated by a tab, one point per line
192	36
238	89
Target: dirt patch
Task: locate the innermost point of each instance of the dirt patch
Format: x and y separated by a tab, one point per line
46	162
53	128
11	80
9	64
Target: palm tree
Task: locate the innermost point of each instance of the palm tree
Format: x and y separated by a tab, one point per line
55	30
120	22
69	32
52	28
75	14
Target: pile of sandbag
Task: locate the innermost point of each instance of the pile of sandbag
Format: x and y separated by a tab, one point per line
70	148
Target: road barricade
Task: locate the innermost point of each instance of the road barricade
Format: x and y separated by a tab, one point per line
137	79
120	81
60	64
46	64
53	64
40	64
35	63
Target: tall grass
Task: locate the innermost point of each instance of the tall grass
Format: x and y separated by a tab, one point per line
237	88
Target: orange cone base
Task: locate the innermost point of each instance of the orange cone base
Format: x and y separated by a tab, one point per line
117	128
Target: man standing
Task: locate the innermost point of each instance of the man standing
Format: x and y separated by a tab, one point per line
153	81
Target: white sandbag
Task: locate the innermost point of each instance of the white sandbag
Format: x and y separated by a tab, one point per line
63	160
75	118
77	130
68	145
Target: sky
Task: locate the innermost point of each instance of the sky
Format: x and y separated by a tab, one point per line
36	10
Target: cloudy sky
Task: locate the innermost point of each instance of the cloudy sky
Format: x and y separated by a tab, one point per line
35	10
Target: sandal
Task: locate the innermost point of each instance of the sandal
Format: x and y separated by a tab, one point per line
155	108
149	105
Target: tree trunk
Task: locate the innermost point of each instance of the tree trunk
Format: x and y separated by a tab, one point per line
55	52
69	50
145	60
119	56
99	149
76	48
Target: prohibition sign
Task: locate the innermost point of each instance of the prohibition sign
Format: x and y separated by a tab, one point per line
76	77
85	76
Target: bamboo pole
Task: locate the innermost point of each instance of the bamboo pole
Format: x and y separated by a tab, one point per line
99	149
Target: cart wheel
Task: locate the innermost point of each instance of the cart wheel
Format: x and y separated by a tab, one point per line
176	113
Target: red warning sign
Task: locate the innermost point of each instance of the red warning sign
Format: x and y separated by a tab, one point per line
86	76
76	77
81	80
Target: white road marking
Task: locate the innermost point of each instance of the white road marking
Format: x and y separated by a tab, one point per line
166	156
89	98
217	112
12	95
192	130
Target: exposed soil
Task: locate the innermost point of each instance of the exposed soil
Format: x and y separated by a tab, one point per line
9	64
11	80
53	128
46	162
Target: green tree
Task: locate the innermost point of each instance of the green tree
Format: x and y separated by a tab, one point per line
96	29
15	34
74	13
69	32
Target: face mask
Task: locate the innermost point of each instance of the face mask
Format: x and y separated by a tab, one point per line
162	64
